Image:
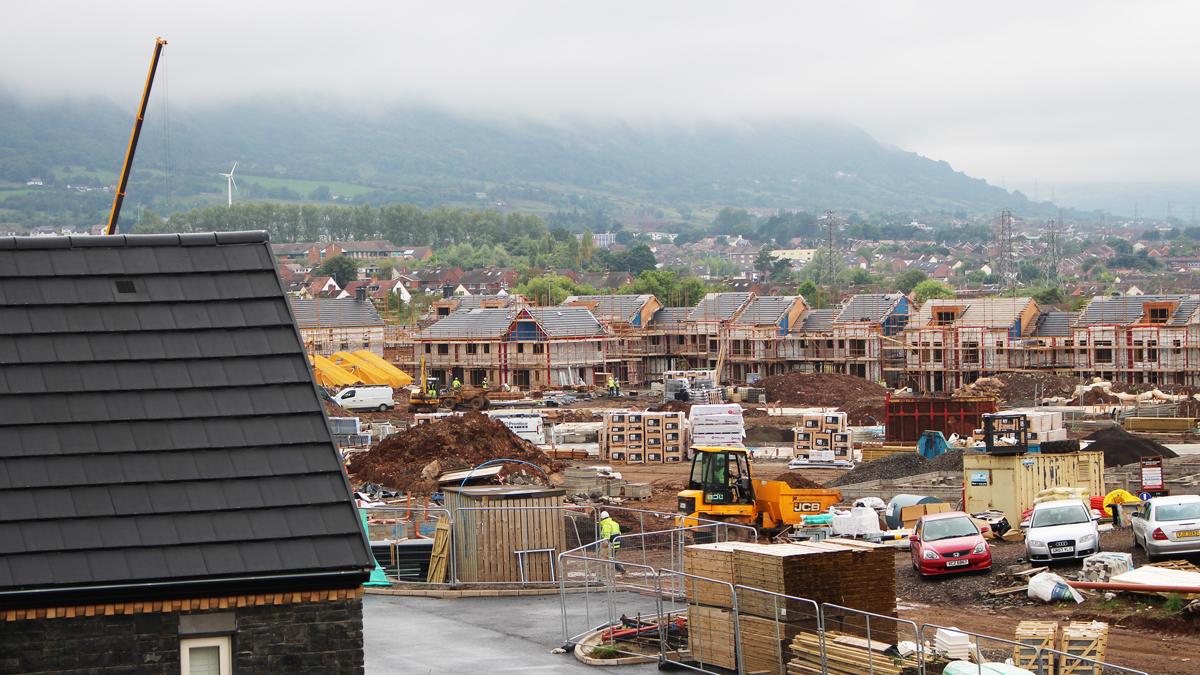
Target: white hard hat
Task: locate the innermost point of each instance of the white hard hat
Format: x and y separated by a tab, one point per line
603	515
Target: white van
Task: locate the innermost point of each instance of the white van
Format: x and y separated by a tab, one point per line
526	424
365	398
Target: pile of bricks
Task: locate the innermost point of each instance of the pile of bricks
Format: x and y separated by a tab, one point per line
636	437
823	437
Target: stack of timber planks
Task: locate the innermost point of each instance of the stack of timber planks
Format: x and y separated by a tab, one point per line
846	655
764	642
850	573
712	561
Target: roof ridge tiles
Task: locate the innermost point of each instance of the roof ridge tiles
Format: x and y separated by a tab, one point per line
126	240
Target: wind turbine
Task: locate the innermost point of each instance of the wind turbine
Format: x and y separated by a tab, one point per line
232	184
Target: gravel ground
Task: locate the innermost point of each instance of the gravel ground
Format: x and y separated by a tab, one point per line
973	588
901	465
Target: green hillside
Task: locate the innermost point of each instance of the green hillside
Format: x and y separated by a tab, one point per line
293	151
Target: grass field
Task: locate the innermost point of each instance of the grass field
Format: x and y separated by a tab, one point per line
6	192
303	187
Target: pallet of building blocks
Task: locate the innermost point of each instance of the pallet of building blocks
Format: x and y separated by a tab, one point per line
1034	636
1086	639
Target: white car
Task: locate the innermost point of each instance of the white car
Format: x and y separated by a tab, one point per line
1168	525
1061	530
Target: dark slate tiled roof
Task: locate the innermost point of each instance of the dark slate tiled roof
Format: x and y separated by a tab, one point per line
567	321
160	425
767	309
1055	324
469	323
819	320
327	312
1128	309
620	308
869	307
476	301
718	306
670	317
494	323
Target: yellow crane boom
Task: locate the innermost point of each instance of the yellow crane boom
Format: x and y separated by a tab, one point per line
123	182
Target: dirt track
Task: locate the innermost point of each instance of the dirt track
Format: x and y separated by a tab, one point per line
1142	634
1141	648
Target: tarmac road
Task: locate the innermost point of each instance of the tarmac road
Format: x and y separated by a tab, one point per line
478	635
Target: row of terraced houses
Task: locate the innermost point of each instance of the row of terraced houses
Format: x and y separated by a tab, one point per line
937	347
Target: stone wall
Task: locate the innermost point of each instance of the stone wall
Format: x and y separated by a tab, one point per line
302	637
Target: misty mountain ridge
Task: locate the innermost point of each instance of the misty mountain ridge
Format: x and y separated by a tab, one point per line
427	156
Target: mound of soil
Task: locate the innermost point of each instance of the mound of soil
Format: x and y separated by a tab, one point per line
1121	447
863	401
572	415
1020	388
900	466
761	433
797	481
672	406
406	461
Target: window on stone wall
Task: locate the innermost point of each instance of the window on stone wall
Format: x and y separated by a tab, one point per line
205	656
472	348
443	348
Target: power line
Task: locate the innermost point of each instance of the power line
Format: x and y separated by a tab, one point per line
831	223
1004	252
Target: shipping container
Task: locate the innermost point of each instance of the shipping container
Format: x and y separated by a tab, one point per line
1010	483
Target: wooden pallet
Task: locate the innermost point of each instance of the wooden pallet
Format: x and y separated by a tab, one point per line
1088	639
1181	565
439	557
1035	635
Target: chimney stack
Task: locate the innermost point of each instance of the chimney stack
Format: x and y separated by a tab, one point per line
360	294
447	291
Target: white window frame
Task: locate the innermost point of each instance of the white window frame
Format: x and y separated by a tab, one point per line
222	643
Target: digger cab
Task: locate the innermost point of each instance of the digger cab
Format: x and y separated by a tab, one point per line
722	476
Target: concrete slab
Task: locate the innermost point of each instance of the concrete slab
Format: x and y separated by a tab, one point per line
477	635
1184	448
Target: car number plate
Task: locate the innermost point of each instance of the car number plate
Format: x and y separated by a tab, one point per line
1187	534
957	563
1062	549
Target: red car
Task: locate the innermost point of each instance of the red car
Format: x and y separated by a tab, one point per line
948	543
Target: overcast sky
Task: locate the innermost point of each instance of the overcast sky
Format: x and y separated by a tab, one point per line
1057	91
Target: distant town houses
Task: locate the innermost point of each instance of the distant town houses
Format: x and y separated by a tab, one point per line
600	239
489	280
316	253
379	291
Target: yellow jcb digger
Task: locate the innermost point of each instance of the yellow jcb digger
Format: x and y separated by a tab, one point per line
427	398
720	488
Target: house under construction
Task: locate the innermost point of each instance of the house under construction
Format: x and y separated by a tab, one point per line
882	337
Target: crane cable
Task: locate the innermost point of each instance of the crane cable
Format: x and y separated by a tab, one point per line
168	168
